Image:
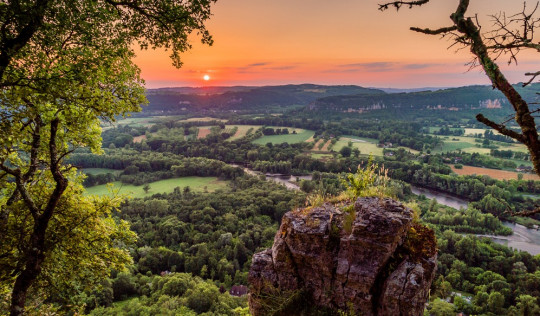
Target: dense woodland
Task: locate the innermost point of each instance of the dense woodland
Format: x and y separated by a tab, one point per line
193	245
203	242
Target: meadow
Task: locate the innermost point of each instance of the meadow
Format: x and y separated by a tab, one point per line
367	146
301	136
197	184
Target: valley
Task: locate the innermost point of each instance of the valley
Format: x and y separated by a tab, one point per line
221	177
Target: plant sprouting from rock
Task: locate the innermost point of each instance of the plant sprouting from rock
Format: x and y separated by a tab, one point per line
370	180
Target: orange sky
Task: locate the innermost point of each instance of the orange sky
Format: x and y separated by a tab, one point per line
259	42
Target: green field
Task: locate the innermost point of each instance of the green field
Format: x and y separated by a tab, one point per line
197	184
469	145
366	146
322	156
202	119
242	130
96	171
301	136
133	121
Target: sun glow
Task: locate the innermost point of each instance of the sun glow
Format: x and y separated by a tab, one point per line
206	77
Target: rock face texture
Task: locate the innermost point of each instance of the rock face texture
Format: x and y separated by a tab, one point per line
365	259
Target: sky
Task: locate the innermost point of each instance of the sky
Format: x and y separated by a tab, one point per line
269	42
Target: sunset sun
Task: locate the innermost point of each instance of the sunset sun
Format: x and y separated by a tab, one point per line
206	77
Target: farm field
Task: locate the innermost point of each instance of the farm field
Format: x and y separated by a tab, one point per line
202	119
163	186
133	121
494	173
316	144
301	136
365	145
242	130
322	156
203	132
468	144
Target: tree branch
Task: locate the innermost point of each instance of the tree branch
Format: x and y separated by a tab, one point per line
501	128
399	4
434	32
533	76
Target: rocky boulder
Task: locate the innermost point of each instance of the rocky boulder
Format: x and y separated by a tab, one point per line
366	258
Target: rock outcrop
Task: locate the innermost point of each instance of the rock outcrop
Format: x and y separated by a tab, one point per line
369	258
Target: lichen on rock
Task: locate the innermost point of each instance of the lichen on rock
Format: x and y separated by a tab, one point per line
382	265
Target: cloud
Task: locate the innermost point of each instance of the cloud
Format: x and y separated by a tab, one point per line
382	66
372	67
419	66
280	67
258	64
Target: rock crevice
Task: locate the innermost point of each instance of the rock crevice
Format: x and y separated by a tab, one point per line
379	266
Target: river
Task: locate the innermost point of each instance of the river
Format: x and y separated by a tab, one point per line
523	238
290	182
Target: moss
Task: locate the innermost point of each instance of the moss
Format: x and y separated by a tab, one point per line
421	242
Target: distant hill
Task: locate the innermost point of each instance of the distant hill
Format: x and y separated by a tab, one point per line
469	97
344	98
177	100
398	90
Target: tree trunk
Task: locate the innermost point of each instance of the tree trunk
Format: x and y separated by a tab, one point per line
34	259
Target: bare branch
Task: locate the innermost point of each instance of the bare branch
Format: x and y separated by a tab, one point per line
441	30
533	76
399	4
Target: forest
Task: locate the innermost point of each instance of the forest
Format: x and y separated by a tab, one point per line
118	199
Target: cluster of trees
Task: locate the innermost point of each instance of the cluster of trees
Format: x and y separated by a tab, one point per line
282	167
216	233
488	134
478	160
276	131
171	294
122	135
470	221
145	167
447	131
493	196
510	154
491	278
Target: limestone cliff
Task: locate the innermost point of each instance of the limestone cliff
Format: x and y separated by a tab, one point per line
369	258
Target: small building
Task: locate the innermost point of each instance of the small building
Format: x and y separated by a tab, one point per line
238	290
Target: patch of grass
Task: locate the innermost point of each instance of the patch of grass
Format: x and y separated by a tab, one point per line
196	184
96	171
480	150
133	121
322	156
450	145
202	119
365	145
301	136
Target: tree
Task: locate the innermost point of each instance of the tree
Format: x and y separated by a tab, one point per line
441	308
508	37
146	188
346	151
63	65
